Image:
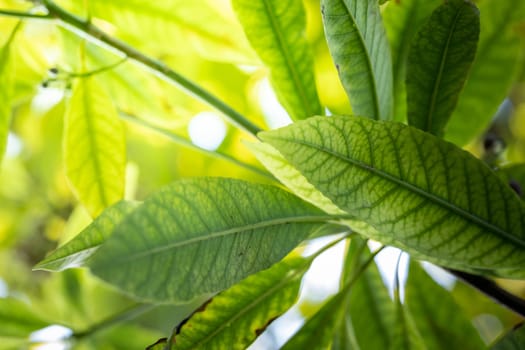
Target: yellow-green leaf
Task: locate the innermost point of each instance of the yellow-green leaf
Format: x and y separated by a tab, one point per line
276	30
94	147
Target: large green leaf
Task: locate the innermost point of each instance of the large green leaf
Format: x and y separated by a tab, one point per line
448	327
514	176
359	47
276	29
201	236
402	21
421	193
6	89
439	60
494	70
94	147
75	252
238	315
17	319
514	340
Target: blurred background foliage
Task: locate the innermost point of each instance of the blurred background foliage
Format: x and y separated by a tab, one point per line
202	40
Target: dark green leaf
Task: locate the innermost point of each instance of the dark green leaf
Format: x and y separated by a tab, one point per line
494	70
514	176
402	21
514	340
17	319
201	236
276	29
422	194
438	64
238	315
76	252
447	327
359	47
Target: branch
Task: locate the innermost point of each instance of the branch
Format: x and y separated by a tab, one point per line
87	30
493	291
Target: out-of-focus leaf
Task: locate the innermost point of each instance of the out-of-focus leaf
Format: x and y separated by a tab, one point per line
372	312
402	21
276	29
359	47
241	313
439	60
494	70
447	327
210	231
318	331
416	189
94	147
514	176
405	334
76	252
175	26
6	88
17	319
514	340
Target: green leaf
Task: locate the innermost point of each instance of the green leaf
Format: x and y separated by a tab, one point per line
494	70
94	147
439	60
359	47
201	236
514	340
318	331
18	318
514	176
405	334
448	327
76	252
6	89
276	29
371	309
402	21
416	190
238	315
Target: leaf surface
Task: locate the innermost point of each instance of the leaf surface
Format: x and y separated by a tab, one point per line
359	48
494	70
239	314
18	319
276	30
76	252
420	193
402	21
201	236
514	176
514	340
448	327
439	60
94	147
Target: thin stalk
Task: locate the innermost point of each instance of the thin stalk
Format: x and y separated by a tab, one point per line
89	31
22	15
186	143
125	315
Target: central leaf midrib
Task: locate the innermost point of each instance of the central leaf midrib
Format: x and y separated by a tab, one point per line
283	48
412	188
231	231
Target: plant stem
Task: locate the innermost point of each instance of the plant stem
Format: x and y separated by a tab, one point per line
492	290
21	15
88	31
125	315
182	141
